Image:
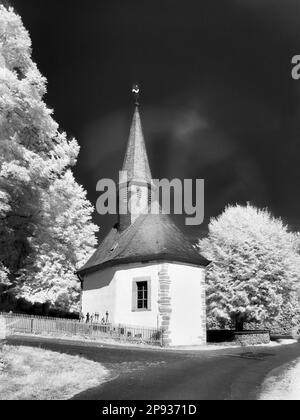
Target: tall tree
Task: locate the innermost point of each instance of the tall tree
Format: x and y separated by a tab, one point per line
62	244
35	179
255	267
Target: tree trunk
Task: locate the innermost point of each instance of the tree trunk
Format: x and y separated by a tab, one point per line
239	323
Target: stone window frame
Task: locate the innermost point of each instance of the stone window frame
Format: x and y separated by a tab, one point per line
134	299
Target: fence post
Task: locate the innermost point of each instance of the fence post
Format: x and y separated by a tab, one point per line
31	325
162	337
3	331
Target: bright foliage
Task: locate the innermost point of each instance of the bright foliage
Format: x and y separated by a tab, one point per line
45	219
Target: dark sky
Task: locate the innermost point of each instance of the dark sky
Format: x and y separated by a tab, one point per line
218	100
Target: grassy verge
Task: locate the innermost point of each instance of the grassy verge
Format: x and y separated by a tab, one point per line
35	374
283	383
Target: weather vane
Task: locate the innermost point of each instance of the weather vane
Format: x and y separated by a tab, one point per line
136	90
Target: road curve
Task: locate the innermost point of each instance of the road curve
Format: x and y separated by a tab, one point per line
145	374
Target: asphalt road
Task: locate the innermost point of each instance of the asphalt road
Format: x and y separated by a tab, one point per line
231	374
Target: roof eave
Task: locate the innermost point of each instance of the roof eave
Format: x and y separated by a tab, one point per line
203	262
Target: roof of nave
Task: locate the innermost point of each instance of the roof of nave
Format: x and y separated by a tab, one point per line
151	237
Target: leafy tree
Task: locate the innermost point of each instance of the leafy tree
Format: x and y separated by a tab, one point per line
36	209
63	243
3	275
255	267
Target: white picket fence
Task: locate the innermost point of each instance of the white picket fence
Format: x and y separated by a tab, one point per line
29	324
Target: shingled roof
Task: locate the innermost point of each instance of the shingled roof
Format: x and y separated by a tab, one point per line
136	160
151	237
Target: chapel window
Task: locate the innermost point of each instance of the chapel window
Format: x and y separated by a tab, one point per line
141	294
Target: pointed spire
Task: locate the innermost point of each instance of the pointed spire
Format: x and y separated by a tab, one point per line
136	162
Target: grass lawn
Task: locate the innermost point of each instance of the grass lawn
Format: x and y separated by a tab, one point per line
35	374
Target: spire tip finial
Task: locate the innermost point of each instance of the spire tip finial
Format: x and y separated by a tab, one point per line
136	90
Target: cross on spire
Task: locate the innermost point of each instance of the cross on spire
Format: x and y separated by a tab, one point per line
136	90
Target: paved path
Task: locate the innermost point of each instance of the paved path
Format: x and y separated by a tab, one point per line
234	374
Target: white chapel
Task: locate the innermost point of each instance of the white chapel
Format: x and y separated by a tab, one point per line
146	272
